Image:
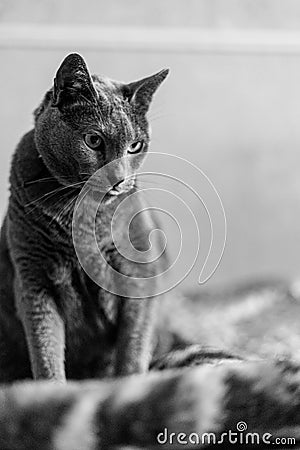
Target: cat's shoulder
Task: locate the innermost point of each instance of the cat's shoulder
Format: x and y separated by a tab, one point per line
26	164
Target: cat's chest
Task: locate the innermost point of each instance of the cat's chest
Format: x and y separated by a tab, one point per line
90	317
84	305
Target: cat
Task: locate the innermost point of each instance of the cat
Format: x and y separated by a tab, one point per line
55	321
187	406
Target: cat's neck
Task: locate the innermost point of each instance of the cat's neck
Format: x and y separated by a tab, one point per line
35	190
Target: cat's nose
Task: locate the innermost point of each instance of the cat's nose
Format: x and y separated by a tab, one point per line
118	171
118	183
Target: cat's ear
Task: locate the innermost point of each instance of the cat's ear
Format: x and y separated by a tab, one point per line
140	93
73	82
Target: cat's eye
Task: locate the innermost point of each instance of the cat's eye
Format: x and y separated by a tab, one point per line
136	147
93	140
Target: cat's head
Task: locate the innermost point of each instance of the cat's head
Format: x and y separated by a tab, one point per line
85	122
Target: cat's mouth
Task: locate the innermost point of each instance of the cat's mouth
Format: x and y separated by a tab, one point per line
114	191
121	187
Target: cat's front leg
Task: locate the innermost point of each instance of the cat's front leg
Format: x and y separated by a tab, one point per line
135	335
45	334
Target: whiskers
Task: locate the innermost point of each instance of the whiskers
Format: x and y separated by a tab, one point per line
58	217
54	192
40	180
142	183
54	209
157	113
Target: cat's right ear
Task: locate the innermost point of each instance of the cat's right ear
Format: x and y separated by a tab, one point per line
73	82
140	92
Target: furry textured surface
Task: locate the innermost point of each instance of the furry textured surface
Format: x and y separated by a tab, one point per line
192	390
257	319
142	411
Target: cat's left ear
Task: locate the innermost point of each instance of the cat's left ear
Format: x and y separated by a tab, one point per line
140	93
73	82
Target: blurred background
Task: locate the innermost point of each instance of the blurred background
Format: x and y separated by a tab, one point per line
231	104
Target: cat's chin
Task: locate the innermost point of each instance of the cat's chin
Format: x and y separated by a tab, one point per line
113	195
109	199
